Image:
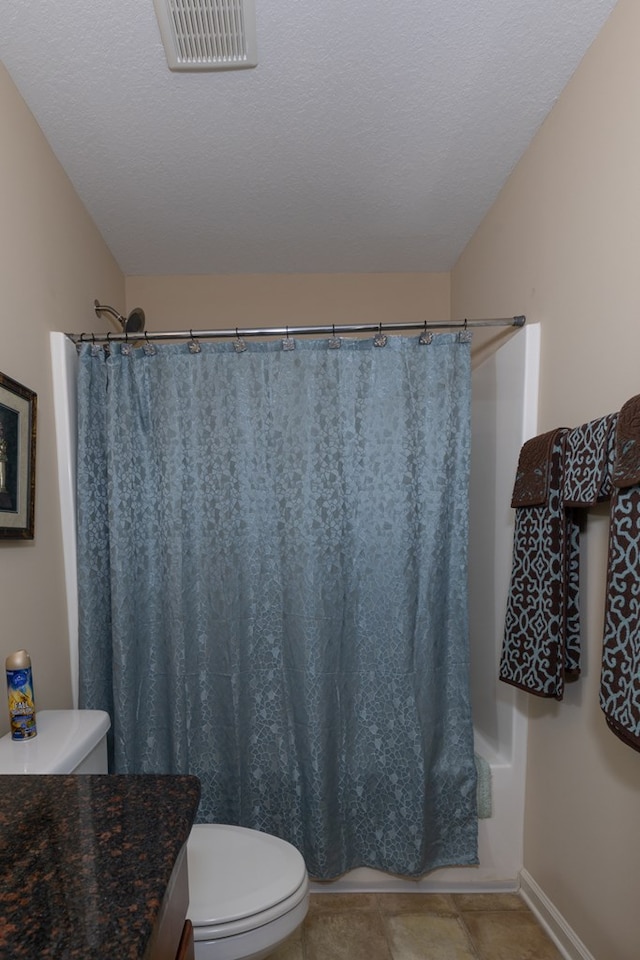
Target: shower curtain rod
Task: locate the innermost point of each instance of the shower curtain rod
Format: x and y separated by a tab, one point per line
328	329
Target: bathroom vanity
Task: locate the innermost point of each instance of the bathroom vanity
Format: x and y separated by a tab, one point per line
93	867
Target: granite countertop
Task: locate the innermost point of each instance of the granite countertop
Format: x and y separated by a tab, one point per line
85	861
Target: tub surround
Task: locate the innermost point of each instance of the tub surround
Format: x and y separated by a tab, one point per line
88	863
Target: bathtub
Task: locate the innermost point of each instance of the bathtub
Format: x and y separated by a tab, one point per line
504	415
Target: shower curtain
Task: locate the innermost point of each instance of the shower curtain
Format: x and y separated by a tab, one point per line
272	548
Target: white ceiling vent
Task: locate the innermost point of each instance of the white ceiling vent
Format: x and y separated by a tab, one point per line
208	34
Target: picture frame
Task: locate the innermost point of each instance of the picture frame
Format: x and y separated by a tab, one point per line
18	407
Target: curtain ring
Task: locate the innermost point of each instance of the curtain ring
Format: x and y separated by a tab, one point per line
465	324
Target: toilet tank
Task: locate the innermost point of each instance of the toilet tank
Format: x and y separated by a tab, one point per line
68	741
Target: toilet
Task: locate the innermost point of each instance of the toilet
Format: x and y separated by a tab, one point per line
248	891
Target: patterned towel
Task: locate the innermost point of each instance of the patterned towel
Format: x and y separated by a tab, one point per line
589	459
541	651
620	677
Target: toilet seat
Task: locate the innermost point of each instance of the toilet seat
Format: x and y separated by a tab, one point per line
240	879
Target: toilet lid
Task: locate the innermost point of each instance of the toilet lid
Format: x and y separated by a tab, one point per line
235	872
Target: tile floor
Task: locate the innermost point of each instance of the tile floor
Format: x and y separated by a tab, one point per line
417	926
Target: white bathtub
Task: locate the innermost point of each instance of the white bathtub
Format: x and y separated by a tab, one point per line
505	397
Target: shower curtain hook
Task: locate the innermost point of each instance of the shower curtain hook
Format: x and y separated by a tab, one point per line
380	339
194	346
334	342
288	343
147	346
465	334
238	344
426	337
125	349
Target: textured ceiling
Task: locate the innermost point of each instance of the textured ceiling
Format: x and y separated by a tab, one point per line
372	136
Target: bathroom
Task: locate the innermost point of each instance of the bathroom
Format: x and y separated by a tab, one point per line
559	245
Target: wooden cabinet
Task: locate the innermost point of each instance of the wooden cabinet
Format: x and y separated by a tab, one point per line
185	947
172	938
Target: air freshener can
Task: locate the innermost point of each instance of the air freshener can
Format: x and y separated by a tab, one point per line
22	710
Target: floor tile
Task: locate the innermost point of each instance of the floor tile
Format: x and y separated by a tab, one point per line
489	901
291	949
321	903
428	937
345	936
509	935
391	904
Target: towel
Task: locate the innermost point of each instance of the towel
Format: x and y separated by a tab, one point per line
620	675
540	650
483	789
589	459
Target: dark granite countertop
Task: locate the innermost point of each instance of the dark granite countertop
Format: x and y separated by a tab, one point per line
85	860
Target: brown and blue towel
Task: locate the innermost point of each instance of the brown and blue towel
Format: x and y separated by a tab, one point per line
620	676
589	459
541	646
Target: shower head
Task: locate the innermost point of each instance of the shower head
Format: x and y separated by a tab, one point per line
134	323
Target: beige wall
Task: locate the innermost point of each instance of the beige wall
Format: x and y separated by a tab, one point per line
562	245
53	263
226	302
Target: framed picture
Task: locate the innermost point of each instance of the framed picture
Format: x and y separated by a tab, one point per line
17	460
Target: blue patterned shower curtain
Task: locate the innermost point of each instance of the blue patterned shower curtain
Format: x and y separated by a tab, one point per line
272	572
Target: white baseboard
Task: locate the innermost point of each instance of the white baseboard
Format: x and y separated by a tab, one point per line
564	937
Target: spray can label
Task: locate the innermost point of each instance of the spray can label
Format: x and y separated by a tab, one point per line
22	711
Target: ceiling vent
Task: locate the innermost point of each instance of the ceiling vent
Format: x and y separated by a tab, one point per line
208	34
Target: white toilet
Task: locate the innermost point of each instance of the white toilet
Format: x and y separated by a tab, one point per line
248	891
